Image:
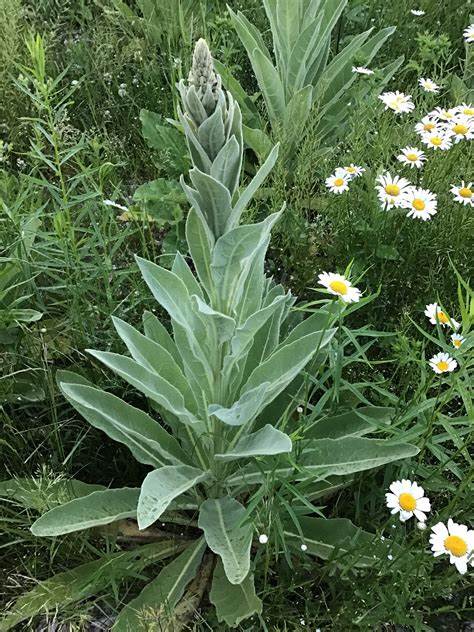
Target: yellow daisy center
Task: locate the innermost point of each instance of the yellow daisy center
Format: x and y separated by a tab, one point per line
465	192
412	157
442	317
407	502
447	115
457	343
350	169
392	189
418	204
460	128
468	111
455	545
442	365
338	182
340	287
428	126
436	140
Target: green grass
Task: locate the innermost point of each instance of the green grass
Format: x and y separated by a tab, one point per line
79	271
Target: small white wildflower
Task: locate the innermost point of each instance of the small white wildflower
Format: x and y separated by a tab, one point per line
263	538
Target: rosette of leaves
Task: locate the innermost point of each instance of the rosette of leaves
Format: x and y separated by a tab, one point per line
301	74
218	382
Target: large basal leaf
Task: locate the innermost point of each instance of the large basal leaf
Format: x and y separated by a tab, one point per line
148	382
333	537
157	600
233	602
96	509
161	487
84	581
325	457
354	423
146	438
221	520
266	441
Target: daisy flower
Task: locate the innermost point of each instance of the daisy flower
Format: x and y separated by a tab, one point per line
352	171
436	315
408	499
443	363
457	340
461	128
397	101
428	85
417	12
437	139
428	124
362	70
337	183
391	189
465	109
443	114
338	285
420	202
456	540
412	156
464	193
469	34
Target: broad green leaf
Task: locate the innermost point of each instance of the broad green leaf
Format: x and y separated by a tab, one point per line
221	520
211	198
302	55
149	383
184	272
223	326
93	510
258	141
227	164
248	33
266	441
245	409
155	358
322	458
285	363
161	199
86	580
333	537
165	138
270	84
326	457
233	602
155	330
201	242
148	441
161	487
162	594
211	133
233	256
172	294
250	111
248	193
355	423
35	493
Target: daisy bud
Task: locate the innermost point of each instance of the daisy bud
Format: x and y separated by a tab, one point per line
262	538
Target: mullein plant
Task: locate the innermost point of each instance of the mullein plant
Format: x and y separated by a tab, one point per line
299	77
222	387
